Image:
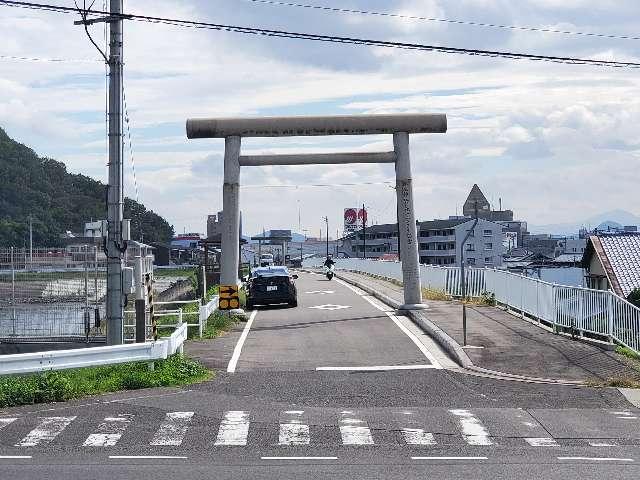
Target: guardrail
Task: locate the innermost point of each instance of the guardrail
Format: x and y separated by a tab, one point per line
575	309
96	356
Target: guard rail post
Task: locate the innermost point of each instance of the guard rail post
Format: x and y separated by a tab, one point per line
610	317
554	299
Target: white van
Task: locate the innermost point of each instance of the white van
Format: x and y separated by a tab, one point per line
266	259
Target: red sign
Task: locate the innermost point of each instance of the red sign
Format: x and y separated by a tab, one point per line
353	218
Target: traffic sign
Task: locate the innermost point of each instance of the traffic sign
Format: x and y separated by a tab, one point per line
228	297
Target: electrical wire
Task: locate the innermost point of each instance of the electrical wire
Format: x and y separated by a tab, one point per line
444	20
336	39
53	60
133	163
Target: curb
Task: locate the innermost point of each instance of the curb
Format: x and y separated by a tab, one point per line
448	344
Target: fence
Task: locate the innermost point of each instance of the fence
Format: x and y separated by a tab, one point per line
575	309
55	294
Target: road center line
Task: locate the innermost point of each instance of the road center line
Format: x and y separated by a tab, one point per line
152	457
236	351
376	368
449	458
298	458
598	459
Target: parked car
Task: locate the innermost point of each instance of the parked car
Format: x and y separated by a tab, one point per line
266	259
270	286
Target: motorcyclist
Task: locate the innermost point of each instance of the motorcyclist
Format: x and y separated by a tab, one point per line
329	263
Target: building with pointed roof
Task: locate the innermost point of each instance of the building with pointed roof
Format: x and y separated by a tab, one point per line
612	262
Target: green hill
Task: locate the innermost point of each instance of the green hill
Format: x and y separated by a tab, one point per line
58	201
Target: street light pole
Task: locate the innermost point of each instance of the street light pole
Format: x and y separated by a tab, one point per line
364	232
326	219
463	283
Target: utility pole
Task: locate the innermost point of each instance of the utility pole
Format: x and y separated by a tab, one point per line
364	232
326	220
30	241
115	246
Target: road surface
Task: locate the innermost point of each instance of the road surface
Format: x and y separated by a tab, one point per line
338	387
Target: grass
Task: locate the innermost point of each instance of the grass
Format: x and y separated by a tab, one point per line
218	324
174	272
65	385
627	352
434	294
617	382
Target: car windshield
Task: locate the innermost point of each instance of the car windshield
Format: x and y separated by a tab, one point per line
270	272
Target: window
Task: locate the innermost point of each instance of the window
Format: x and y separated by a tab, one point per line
488	259
471	261
488	246
471	247
472	233
487	233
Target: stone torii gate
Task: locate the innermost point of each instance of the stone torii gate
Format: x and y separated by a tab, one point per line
400	126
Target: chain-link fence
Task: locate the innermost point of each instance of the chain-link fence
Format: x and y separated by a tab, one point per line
51	294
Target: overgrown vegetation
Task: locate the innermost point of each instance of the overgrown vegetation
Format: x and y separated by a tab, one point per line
65	385
433	294
616	382
218	324
627	352
634	297
58	201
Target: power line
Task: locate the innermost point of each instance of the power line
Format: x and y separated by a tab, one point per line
444	20
52	60
338	39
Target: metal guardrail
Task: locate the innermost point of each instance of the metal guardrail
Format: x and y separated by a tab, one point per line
577	309
90	357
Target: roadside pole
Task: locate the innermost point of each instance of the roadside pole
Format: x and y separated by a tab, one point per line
364	233
326	219
115	247
141	321
463	282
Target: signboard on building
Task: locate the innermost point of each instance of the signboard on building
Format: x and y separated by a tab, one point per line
353	219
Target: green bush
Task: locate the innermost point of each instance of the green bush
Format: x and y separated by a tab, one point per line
634	297
68	384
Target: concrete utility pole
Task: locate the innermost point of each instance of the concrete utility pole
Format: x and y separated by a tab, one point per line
463	280
364	232
326	220
30	241
115	246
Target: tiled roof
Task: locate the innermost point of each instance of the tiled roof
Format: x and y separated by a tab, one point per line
623	252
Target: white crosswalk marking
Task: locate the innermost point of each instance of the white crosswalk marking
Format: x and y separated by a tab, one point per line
417	436
473	430
354	431
292	430
48	429
173	429
6	421
109	431
234	428
541	442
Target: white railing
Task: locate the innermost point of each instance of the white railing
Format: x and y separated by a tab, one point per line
91	357
205	312
577	309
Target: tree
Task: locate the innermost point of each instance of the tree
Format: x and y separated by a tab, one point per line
634	297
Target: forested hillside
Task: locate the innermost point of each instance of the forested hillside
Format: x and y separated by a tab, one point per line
57	201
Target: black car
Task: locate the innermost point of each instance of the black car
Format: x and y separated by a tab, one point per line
271	286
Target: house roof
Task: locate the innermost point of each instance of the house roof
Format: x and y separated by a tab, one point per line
568	258
442	224
619	255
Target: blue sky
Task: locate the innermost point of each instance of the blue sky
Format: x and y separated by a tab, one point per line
556	143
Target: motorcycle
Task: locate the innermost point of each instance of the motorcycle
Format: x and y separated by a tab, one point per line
328	271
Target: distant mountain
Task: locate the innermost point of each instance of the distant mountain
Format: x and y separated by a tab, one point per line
612	218
57	201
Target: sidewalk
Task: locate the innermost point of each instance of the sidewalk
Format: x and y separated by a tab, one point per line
512	345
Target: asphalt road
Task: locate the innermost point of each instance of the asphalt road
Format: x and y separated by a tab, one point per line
347	390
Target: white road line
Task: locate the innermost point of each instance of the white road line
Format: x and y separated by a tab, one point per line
154	457
354	431
473	430
14	457
48	429
541	442
234	428
355	290
173	429
109	431
417	436
407	332
449	458
293	431
377	368
6	421
298	458
628	418
236	351
598	459
603	444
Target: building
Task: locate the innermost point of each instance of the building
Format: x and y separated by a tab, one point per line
375	242
477	198
612	262
440	242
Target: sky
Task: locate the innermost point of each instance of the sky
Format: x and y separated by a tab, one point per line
556	143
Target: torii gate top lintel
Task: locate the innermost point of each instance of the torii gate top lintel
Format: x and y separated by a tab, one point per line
399	125
316	126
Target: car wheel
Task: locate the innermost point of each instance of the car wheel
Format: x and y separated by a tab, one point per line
293	303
